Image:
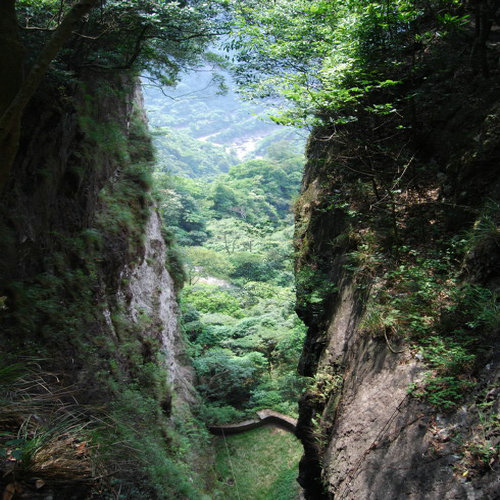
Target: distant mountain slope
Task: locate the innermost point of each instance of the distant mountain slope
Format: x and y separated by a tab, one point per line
201	132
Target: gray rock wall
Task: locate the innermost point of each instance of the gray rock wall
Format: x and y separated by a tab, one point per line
365	434
150	290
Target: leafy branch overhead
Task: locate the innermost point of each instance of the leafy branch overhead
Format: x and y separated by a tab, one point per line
320	59
137	36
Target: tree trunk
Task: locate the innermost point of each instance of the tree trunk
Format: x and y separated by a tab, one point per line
21	91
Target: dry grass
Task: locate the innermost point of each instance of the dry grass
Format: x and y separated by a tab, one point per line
43	432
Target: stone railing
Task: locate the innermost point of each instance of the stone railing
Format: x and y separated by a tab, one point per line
264	417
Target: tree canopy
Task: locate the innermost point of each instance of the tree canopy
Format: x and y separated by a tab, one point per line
325	57
138	36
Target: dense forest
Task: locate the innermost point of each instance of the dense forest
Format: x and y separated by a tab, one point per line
234	232
233	227
157	280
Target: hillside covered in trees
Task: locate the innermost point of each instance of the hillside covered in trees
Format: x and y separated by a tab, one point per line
235	236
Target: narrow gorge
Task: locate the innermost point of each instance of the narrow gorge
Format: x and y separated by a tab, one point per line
169	256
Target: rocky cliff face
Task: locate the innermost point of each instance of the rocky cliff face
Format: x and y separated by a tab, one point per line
87	295
397	251
148	288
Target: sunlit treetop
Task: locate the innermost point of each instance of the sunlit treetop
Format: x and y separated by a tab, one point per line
324	56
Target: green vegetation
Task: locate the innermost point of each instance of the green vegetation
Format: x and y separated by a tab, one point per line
180	154
451	322
67	304
65	40
238	304
358	71
368	74
261	464
331	60
202	127
481	450
233	223
395	203
121	36
133	435
50	437
117	430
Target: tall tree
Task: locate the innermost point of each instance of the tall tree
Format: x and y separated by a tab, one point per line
154	36
19	91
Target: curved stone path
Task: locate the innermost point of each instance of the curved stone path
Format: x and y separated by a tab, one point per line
264	417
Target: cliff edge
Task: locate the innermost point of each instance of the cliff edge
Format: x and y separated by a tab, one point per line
397	265
99	397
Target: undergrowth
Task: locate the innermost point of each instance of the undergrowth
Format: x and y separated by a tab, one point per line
428	300
108	423
261	464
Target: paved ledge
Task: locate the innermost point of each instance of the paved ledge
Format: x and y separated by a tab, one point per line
264	417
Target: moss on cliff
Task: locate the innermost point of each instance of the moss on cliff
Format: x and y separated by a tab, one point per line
74	228
397	277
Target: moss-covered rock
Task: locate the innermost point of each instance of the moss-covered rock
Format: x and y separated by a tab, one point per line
87	297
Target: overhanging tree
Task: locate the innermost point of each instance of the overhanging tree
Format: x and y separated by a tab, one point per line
19	91
154	36
328	57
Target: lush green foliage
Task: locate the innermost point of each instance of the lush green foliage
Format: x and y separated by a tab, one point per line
334	61
327	57
124	437
238	303
244	333
179	154
158	37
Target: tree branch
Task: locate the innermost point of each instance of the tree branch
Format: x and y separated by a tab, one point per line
10	121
